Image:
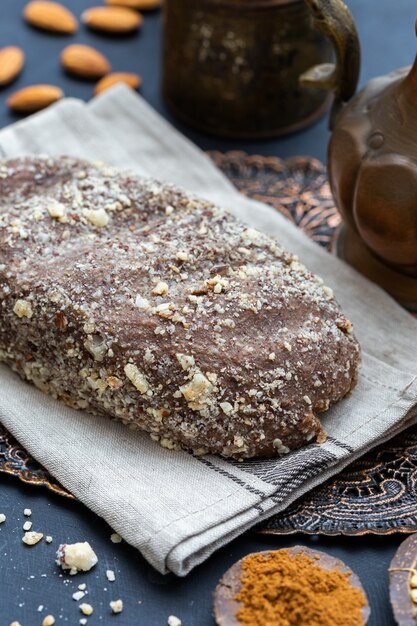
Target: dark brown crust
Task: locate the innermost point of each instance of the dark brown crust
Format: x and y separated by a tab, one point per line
164	311
226	607
405	612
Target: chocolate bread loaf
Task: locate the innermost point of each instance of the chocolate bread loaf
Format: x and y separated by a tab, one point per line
126	297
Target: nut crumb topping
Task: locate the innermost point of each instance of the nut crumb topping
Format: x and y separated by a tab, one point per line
126	297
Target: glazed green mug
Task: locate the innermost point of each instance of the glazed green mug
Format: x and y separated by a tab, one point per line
232	67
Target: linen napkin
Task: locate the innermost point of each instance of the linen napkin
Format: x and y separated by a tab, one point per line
175	508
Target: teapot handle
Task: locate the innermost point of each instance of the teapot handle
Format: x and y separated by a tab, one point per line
333	18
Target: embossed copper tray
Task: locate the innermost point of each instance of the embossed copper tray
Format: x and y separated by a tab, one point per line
376	494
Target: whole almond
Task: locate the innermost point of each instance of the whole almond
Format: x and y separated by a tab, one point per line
112	20
84	62
50	16
12	60
132	80
139	5
34	98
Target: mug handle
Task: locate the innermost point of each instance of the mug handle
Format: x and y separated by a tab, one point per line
333	19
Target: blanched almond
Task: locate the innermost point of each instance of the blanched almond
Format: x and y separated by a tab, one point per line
50	16
12	60
113	20
84	61
132	80
139	5
34	98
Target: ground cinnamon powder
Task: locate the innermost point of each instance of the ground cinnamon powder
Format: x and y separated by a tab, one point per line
284	589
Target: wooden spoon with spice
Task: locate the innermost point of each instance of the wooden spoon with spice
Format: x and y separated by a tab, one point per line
292	586
403	583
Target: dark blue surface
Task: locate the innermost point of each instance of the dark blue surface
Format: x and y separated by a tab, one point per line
387	33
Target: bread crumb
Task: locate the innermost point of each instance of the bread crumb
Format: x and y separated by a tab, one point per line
115	538
77	557
82	586
27	525
15	624
31	538
86	609
23	308
2	518
111	576
174	621
83	621
48	539
78	595
40	608
27	512
116	606
49	620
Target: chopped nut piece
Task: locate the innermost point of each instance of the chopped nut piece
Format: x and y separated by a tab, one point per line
86	609
136	377
281	449
111	576
160	289
77	557
174	621
328	292
27	512
48	539
413	595
82	586
83	621
78	595
27	525
23	308
197	389
56	210
31	538
15	624
413	581
2	518
226	407
115	538
49	620
40	608
116	606
96	217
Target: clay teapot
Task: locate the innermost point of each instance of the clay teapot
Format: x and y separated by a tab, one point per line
372	158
